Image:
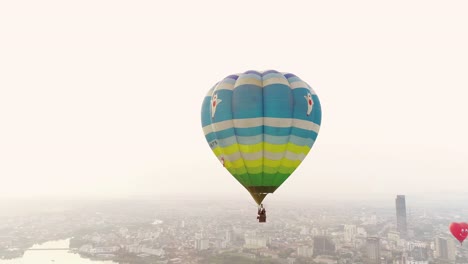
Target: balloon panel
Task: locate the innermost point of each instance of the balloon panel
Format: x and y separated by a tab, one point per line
261	126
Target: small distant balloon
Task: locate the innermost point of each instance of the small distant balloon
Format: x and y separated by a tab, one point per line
459	231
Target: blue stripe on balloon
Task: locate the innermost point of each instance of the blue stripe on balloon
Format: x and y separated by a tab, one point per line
249	132
225	133
278	101
210	136
299	141
289	75
277	131
294	79
225	142
253	72
247	101
303	133
266	130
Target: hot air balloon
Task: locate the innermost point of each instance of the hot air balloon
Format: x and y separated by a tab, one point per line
261	126
459	231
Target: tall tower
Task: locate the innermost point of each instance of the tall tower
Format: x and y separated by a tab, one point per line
401	215
373	249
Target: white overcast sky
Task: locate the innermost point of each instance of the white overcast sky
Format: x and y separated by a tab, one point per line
103	98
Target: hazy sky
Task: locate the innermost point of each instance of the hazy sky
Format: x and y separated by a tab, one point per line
103	98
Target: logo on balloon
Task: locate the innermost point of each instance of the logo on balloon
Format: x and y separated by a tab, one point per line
213	143
310	103
214	104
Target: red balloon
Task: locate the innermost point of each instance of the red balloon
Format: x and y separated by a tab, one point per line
459	231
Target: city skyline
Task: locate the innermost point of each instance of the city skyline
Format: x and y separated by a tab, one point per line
198	232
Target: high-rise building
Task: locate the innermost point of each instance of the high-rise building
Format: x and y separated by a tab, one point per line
323	246
198	235
350	232
228	236
393	236
202	244
361	232
445	248
419	254
404	258
401	214
373	219
255	242
305	251
373	249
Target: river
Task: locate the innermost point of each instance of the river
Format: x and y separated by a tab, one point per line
52	256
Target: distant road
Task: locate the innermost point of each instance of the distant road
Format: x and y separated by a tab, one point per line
48	249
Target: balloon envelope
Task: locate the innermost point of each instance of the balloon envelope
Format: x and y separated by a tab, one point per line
261	125
459	231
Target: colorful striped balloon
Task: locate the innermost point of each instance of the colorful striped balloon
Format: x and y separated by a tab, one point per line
261	125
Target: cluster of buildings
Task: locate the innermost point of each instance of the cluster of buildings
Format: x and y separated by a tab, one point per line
190	234
361	237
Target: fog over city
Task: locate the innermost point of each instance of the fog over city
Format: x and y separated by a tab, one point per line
103	98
